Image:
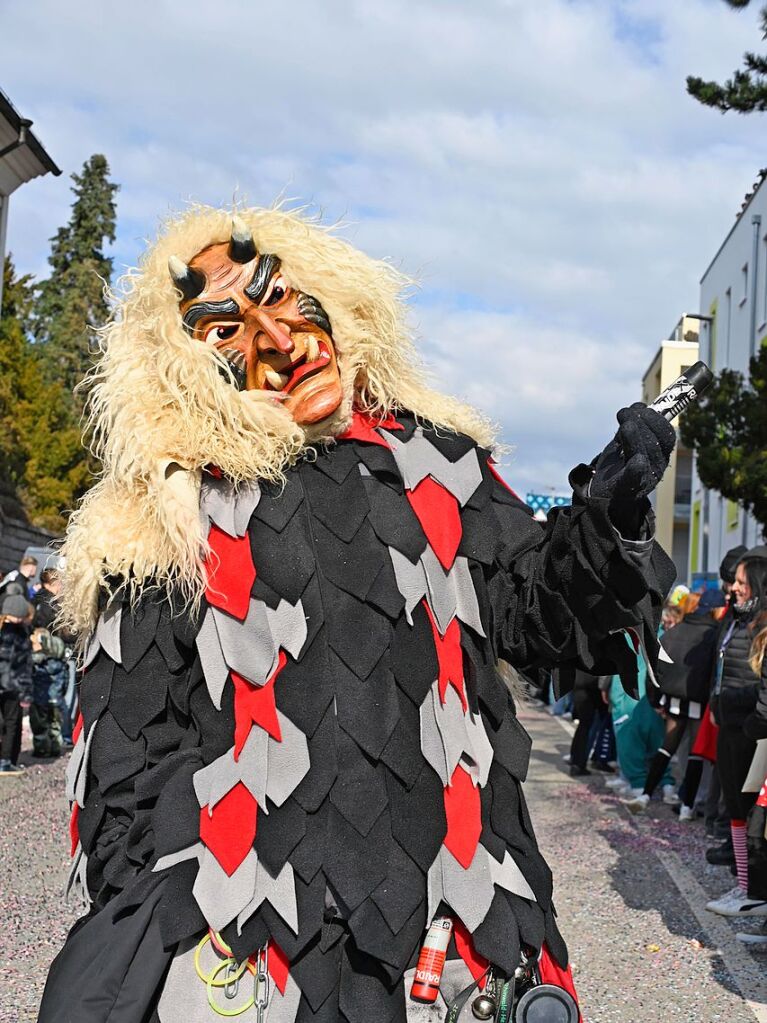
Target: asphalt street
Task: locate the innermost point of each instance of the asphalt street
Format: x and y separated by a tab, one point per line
630	893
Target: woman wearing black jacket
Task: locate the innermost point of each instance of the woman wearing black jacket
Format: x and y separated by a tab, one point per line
733	702
684	678
755	728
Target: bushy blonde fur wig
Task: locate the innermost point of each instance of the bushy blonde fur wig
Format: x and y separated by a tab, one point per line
160	406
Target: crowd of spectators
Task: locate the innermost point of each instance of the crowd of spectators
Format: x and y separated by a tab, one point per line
36	667
695	732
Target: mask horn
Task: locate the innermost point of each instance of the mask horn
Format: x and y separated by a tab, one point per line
189	281
242	248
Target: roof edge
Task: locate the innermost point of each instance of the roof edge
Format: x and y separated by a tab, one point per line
11	114
741	213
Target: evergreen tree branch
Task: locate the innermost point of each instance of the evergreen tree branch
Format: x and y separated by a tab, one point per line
746	91
727	430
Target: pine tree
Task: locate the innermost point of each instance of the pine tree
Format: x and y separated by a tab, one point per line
728	431
15	318
71	302
41	455
746	91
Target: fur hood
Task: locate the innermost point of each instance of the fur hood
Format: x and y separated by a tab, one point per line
160	405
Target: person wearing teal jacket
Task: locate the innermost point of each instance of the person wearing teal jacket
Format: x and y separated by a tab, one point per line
638	730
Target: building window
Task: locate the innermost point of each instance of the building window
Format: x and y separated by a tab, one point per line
712	335
744	282
733	515
695	537
683	478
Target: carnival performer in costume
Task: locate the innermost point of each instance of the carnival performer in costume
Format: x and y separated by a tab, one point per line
293	584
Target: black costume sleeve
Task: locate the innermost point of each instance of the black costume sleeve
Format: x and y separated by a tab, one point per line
569	593
139	744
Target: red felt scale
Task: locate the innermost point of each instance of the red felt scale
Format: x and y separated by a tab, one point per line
278	966
449	657
229	831
255	705
438	512
463	810
230	572
74	833
464	946
552	973
363	428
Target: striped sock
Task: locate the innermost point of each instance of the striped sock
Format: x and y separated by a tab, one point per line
738	829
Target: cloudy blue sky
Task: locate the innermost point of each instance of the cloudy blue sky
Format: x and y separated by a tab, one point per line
536	164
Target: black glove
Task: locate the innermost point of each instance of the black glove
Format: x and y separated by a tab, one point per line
633	463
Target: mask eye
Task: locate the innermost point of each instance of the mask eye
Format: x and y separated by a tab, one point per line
277	292
221	332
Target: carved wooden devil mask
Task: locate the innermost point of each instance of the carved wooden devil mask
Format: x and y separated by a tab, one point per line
274	337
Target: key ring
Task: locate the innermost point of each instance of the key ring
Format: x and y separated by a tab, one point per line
206	978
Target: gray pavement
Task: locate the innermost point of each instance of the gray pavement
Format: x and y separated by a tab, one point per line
629	891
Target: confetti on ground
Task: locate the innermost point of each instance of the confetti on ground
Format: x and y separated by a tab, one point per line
610	888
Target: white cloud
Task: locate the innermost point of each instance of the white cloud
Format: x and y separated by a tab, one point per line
538	166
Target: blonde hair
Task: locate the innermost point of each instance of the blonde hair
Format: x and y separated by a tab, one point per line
160	406
689	603
758	646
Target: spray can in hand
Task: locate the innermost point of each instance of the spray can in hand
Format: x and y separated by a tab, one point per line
684	391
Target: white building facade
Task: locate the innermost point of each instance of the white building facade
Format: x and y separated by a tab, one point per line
733	305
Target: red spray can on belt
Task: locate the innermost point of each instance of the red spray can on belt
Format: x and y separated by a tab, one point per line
431	961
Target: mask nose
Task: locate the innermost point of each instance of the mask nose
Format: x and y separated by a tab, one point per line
272	337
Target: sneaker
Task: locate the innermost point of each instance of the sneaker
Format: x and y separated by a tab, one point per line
748	938
578	772
686	813
670	798
637	804
721	855
737	903
729	897
603	766
9	770
616	783
625	791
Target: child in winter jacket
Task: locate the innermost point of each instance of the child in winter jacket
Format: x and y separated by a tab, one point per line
49	680
15	678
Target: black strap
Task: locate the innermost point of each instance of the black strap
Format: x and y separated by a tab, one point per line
454	1008
506	1003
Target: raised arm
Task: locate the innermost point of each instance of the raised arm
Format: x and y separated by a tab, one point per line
570	592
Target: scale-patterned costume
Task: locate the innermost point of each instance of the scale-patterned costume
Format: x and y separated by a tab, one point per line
325	754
